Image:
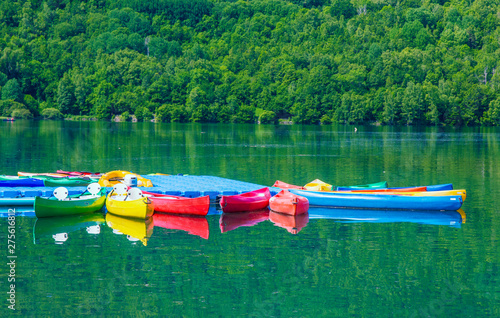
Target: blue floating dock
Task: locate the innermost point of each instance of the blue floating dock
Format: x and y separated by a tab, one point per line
180	185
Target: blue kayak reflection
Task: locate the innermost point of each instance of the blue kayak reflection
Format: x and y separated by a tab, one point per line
448	218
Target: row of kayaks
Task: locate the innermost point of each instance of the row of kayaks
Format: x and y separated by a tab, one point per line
125	199
73	179
122	200
295	200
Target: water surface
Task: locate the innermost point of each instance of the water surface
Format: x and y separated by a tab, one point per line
370	264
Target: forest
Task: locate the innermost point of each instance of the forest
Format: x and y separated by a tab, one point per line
389	62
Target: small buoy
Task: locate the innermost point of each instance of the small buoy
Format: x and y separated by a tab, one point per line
355	129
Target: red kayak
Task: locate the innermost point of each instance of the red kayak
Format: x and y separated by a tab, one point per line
292	224
249	201
194	225
80	173
232	221
289	203
284	185
179	205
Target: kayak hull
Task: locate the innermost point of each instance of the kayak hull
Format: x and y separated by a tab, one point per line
27	182
180	205
436	187
64	182
50	207
249	201
141	208
284	185
460	192
376	185
380	201
289	203
318	185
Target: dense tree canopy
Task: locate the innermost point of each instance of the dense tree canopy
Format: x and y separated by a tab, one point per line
347	61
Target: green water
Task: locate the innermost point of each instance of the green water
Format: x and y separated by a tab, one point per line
397	268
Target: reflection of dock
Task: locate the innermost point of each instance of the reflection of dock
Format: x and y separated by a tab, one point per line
449	218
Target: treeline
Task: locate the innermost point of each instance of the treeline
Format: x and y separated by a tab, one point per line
310	61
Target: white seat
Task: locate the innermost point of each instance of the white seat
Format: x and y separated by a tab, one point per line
134	194
61	193
94	188
120	188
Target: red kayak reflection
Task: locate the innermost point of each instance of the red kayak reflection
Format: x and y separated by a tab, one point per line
292	224
194	225
232	221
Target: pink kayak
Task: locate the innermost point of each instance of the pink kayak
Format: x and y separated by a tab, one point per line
249	201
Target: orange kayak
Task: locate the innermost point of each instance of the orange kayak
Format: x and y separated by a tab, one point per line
289	203
284	185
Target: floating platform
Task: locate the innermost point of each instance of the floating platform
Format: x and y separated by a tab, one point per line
180	185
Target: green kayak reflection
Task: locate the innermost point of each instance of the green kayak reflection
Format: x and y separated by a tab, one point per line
448	218
59	227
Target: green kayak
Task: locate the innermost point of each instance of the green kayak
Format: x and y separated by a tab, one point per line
67	182
377	185
7	178
75	204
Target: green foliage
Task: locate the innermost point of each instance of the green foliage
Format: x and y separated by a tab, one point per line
268	117
12	90
143	114
125	116
51	113
492	116
22	113
8	106
245	114
315	61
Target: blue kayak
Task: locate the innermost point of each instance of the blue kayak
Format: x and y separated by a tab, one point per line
17	201
380	201
436	187
28	182
449	218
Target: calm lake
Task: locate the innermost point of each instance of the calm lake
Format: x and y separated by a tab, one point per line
343	263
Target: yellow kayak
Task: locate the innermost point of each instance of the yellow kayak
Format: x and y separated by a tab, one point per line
131	203
460	192
318	185
134	228
118	176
